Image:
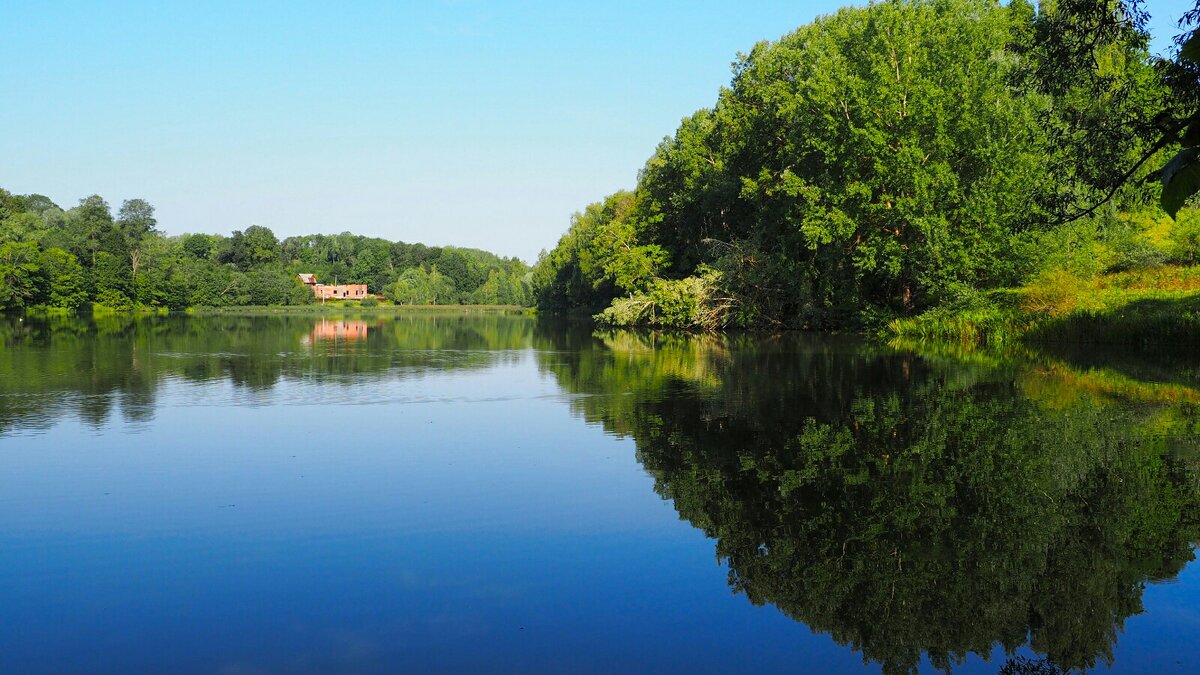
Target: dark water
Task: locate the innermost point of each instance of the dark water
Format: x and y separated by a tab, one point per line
458	493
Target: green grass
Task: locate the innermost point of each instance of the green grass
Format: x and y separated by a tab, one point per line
1164	319
99	309
994	326
44	311
1156	307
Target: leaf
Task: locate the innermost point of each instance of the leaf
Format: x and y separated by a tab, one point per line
1190	51
1180	179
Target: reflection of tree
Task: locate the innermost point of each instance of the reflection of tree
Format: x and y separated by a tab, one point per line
904	508
90	367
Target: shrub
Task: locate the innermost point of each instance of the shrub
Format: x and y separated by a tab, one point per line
299	293
114	300
1137	254
1055	292
1184	237
369	301
1076	248
691	302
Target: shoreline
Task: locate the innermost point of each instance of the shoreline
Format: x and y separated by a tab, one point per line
337	308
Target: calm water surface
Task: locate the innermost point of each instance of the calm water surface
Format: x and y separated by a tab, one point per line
486	492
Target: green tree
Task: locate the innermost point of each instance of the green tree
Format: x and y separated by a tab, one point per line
599	249
1080	41
135	222
256	246
128	263
299	293
200	246
22	279
109	274
877	162
418	287
92	221
24	226
64	278
373	264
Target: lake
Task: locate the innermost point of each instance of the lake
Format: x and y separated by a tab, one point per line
488	492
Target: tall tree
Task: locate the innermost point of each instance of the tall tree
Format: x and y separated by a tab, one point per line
92	219
135	222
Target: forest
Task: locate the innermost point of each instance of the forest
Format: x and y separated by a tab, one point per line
64	260
926	165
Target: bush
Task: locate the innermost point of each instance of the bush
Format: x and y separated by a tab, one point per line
961	297
300	294
1076	248
1184	237
691	302
1055	293
675	303
369	301
114	300
1107	242
1136	254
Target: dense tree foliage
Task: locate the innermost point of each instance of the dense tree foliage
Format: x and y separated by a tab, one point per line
911	507
877	162
60	259
1079	34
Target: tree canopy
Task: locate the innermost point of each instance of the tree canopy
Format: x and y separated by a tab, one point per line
65	259
877	162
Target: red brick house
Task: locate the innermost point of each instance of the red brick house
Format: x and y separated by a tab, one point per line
336	292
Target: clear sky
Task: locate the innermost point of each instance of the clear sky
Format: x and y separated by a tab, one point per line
472	123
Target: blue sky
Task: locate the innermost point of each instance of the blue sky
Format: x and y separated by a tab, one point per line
480	124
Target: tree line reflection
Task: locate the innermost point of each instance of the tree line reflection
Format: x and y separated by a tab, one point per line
908	505
94	367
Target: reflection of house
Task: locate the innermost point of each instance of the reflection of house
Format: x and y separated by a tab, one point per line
350	331
337	292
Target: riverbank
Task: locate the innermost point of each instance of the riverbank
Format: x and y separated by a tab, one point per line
324	309
1154	307
1157	307
357	308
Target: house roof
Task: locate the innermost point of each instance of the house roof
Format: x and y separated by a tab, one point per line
308	278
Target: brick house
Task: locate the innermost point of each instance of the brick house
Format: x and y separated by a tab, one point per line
335	292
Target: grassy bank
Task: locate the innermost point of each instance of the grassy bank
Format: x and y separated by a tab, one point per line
1153	307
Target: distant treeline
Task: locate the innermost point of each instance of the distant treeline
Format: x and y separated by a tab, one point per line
893	158
65	259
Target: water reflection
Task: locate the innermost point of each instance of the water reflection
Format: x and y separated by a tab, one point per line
346	330
912	507
911	504
95	368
